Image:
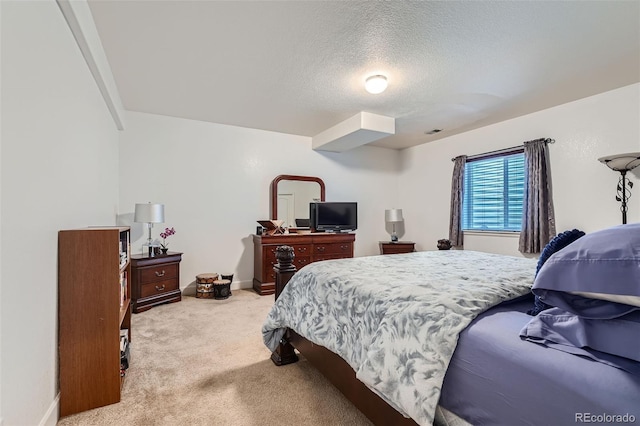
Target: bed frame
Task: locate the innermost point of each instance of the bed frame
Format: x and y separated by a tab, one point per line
332	366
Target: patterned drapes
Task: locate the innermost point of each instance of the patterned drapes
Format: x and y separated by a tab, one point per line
538	220
457	187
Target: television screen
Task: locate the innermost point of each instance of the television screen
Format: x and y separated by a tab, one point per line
334	216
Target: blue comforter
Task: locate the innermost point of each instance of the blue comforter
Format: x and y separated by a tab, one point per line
396	318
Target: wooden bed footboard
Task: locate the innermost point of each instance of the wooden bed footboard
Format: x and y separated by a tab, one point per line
342	376
332	366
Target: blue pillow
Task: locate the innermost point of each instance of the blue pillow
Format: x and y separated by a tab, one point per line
612	341
603	264
557	243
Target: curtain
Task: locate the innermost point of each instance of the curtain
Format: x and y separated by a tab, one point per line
538	220
457	186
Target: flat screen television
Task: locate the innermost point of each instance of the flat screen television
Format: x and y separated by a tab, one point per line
334	216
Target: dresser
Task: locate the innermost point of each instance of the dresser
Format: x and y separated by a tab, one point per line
307	248
155	280
387	247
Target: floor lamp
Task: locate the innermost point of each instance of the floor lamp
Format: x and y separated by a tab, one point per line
149	214
622	163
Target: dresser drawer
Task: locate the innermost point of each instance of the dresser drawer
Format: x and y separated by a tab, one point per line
301	250
302	257
158	273
329	256
268	264
159	287
341	249
299	262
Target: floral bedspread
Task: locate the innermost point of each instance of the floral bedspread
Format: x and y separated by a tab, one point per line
396	318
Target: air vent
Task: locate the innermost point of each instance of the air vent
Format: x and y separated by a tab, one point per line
432	132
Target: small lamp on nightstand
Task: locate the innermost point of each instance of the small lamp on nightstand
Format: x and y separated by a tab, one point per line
149	214
393	216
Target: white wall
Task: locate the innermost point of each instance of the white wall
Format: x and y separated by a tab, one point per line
583	188
214	181
59	169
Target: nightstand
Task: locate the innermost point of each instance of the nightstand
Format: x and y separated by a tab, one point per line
155	280
387	247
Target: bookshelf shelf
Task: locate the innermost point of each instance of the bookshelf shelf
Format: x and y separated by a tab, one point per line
94	304
124	310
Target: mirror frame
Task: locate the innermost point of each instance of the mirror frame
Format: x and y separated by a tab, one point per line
274	189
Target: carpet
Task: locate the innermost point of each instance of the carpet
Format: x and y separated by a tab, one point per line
202	362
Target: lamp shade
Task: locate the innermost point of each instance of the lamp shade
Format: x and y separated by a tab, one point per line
622	162
393	215
149	213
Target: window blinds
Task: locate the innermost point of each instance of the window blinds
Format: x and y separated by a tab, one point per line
493	193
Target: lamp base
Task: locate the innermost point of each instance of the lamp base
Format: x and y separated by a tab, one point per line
394	238
150	250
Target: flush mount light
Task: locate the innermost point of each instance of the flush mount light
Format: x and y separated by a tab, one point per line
376	84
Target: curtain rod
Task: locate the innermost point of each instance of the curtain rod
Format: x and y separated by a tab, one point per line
500	151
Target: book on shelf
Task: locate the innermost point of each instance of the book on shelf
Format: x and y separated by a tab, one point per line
125	352
125	249
123	287
124	340
123	259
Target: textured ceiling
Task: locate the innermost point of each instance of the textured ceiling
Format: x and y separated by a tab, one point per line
299	66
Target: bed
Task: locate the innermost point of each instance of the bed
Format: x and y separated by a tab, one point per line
408	337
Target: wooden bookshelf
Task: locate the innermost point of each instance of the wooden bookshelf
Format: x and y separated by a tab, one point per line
94	304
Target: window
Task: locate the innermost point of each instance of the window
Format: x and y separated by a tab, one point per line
493	193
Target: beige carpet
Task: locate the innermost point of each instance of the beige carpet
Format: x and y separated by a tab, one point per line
202	362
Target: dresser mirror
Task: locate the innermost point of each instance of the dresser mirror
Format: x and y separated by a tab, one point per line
290	198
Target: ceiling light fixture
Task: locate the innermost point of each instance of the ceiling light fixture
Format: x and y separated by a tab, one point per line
376	84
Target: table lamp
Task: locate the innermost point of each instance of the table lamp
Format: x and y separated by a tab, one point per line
393	216
149	213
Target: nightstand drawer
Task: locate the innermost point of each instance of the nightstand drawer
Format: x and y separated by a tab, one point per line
156	288
395	248
158	273
155	280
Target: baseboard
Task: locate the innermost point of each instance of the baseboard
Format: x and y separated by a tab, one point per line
237	285
51	416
